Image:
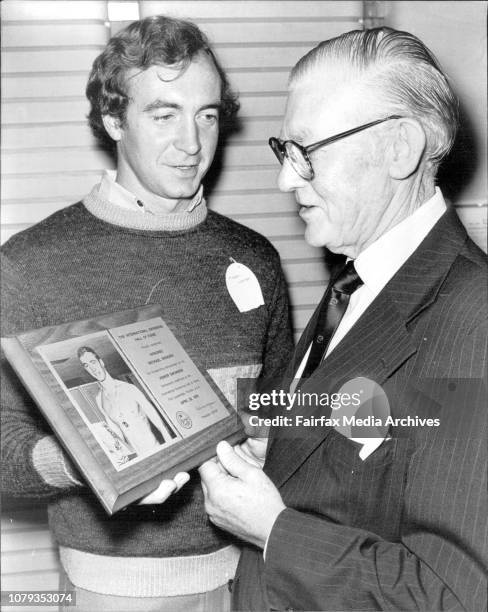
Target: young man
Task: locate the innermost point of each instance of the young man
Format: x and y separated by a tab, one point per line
370	115
126	409
158	95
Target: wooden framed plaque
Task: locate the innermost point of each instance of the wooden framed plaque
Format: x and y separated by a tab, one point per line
127	401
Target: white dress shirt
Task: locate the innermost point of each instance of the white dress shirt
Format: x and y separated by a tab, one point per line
379	262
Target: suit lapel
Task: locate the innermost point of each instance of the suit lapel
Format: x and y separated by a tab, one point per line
374	348
377	345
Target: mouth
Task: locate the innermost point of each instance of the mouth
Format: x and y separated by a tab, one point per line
305	211
185	166
189	170
300	203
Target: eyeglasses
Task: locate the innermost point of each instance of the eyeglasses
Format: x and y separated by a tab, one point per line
298	156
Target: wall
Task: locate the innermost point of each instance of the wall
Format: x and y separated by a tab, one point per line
50	158
456	32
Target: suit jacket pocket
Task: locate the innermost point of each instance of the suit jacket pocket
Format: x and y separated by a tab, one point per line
368	494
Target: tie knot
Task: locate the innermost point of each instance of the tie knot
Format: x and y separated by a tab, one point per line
348	280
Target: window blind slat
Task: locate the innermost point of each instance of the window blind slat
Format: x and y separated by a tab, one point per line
32	581
251	9
294	247
50	60
45	111
262	81
68	186
54	160
280	225
305	271
46	10
259	58
36	539
41	560
275	32
26	86
31	136
306	296
52	34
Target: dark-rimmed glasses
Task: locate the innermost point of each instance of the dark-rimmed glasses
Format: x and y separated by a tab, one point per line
298	156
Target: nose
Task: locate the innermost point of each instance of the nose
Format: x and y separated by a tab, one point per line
188	138
289	179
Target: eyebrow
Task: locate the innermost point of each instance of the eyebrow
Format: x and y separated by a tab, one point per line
157	104
215	106
160	104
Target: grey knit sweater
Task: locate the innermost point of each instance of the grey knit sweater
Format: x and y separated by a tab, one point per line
89	259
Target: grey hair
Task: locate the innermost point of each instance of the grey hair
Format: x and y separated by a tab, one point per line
404	70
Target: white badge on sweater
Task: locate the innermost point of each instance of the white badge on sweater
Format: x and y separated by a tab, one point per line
243	287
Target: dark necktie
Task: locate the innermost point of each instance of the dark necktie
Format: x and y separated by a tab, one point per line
332	309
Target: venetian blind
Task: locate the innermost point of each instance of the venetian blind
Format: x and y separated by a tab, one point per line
49	160
49	157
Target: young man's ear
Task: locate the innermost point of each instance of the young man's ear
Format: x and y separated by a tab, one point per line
408	147
113	126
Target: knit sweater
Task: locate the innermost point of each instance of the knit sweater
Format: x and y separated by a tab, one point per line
93	258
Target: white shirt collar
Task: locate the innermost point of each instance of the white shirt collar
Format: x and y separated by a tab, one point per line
379	262
113	192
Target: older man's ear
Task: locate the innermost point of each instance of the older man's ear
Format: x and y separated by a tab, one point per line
407	148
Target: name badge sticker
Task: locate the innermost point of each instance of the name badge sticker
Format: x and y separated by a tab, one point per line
243	287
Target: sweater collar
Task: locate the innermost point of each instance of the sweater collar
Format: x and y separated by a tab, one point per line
114	204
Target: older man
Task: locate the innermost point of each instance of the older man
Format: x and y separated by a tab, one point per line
401	526
144	235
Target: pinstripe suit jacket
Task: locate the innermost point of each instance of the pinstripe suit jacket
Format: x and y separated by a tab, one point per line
407	528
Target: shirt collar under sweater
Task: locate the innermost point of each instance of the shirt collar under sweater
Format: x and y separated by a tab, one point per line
110	202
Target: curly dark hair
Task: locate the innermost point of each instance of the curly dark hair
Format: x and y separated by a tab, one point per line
152	41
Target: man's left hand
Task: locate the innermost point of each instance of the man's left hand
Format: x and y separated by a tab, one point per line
165	489
239	497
